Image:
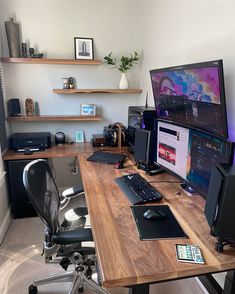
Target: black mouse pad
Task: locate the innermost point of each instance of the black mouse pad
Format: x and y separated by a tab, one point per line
106	157
153	229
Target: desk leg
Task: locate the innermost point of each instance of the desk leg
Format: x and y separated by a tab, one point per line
139	289
229	284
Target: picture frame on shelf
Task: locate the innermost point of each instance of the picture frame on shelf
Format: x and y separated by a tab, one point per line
83	48
79	136
88	109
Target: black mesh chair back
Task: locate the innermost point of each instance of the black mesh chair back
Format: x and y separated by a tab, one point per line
43	193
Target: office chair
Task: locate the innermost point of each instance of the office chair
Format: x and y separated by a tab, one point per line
65	245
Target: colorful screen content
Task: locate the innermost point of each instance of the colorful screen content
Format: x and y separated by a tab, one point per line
192	95
191	154
172	148
204	151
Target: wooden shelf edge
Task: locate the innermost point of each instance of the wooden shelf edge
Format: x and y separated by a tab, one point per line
42	118
50	61
97	91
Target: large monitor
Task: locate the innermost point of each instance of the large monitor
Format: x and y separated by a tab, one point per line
191	154
192	95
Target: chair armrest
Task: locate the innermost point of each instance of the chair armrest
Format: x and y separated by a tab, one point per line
72	192
69	237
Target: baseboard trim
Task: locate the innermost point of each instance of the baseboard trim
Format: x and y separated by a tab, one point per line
5	224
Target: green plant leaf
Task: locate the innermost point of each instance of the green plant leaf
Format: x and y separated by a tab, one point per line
125	63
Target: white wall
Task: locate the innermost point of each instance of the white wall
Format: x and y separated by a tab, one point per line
188	31
51	27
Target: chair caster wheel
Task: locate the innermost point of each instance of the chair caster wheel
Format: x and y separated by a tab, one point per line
80	290
33	289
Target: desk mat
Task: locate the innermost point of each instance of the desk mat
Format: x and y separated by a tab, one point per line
154	229
106	157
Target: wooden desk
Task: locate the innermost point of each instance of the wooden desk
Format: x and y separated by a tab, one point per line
65	150
127	261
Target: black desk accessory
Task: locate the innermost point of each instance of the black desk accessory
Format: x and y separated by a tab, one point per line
107	157
153	229
138	190
28	151
152	214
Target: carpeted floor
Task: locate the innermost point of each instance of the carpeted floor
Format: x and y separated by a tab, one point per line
21	262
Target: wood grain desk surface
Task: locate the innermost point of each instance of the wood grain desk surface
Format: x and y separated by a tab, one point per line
124	259
63	150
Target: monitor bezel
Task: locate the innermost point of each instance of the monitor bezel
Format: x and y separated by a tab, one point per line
194	187
219	64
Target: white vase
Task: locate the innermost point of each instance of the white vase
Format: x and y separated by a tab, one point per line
123	82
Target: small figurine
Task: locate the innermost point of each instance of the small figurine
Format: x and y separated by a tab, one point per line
24	50
31	52
29	107
65	83
36	108
71	83
33	55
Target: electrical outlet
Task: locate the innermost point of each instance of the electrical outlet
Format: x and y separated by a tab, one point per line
75	170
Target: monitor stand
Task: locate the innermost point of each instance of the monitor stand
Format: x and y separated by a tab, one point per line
155	170
150	168
187	188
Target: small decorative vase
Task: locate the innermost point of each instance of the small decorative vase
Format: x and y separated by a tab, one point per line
13	37
123	82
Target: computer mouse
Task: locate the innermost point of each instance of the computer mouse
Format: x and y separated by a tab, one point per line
153	214
118	165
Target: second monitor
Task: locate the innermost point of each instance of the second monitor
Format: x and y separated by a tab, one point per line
191	154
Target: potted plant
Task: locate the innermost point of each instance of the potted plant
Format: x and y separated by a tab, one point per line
123	65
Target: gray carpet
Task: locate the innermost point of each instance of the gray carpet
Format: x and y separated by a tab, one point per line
21	262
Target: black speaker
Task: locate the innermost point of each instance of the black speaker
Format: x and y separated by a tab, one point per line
145	149
220	203
142	152
13	106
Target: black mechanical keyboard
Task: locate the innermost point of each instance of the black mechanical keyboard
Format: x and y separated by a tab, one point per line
143	191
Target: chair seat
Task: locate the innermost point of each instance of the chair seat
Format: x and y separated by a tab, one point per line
69	237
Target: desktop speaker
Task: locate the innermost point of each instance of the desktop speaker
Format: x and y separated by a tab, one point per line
142	146
13	106
220	203
145	151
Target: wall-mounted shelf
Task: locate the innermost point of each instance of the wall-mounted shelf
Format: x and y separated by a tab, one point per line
42	118
90	91
50	61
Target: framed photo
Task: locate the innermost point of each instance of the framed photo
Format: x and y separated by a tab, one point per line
79	136
83	48
88	109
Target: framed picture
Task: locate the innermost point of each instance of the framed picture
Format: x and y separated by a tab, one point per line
88	109
79	136
83	48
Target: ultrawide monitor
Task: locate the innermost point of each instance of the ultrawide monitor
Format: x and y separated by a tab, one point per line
191	154
192	95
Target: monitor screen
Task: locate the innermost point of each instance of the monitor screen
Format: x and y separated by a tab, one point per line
191	154
192	95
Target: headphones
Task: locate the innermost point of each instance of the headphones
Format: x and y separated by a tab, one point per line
113	130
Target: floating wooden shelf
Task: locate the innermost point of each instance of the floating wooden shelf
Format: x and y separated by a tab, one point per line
50	61
90	91
41	118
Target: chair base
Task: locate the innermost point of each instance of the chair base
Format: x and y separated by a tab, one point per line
78	279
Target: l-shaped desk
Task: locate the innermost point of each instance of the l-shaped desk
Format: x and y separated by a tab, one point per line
124	259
